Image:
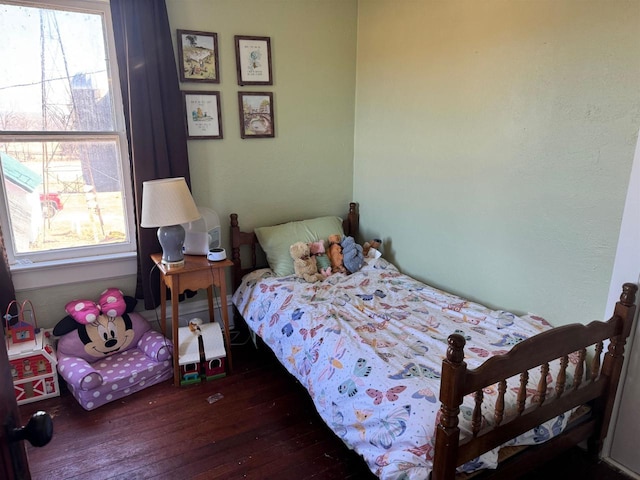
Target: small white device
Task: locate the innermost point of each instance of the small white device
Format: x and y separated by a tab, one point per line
203	234
216	254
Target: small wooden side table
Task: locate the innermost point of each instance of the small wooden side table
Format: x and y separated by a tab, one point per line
197	273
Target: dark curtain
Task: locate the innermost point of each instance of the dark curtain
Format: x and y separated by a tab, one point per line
153	112
7	290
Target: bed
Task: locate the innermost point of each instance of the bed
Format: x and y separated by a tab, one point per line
422	383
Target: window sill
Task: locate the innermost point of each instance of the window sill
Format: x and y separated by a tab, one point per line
63	272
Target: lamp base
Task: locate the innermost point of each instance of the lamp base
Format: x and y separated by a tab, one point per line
171	239
170	265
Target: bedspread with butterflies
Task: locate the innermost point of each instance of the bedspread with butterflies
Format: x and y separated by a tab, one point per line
368	347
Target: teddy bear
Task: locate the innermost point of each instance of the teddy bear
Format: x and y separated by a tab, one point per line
304	265
367	246
335	254
353	258
322	261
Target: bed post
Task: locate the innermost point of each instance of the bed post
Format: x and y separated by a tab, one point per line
447	432
351	225
235	251
238	240
613	362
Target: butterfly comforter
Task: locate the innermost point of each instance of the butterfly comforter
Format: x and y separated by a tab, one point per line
369	346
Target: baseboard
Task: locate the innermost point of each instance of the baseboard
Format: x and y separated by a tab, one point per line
189	310
630	473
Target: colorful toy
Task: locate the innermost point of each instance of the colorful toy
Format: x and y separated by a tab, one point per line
202	353
107	351
21	330
32	358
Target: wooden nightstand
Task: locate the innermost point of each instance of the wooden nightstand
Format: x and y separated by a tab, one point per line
197	273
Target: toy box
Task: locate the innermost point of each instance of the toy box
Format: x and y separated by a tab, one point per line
33	368
202	353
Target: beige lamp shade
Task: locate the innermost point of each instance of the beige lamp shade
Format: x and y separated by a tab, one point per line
167	201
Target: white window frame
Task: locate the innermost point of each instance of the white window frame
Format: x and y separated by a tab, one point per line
72	265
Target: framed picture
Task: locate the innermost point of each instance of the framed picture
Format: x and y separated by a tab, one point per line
202	115
253	60
198	56
256	114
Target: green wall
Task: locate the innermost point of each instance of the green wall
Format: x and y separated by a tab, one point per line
494	142
308	168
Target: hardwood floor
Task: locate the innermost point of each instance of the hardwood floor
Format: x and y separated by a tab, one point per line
264	427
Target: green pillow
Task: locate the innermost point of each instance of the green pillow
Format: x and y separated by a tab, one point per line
276	240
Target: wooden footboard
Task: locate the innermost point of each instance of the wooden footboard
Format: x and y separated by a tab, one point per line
594	384
248	240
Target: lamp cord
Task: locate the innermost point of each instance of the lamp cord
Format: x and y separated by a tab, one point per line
217	300
155	310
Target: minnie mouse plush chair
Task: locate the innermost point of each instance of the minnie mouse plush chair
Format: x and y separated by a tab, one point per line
107	351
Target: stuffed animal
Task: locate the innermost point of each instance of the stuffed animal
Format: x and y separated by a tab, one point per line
353	258
316	248
107	351
322	261
89	321
374	243
335	254
304	265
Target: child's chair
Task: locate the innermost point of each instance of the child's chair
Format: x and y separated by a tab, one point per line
105	353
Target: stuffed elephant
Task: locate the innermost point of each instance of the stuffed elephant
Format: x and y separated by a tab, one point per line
353	257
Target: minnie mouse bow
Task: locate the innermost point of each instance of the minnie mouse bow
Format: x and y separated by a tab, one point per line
111	303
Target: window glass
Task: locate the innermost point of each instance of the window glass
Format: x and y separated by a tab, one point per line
54	72
62	142
63	194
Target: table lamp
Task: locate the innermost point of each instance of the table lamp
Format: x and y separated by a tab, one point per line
166	203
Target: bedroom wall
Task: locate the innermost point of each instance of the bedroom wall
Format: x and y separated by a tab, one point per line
307	169
494	143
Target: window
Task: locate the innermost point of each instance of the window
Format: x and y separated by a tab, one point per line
66	189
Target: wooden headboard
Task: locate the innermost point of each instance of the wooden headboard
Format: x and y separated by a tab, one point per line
350	225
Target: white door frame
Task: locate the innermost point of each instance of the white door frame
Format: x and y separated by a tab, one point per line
626	269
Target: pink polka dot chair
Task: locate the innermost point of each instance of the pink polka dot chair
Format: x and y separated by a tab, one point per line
105	353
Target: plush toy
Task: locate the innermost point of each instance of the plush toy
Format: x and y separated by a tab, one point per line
107	351
353	258
335	254
304	265
374	243
316	248
322	261
90	322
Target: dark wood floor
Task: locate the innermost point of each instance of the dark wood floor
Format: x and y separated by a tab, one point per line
264	427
